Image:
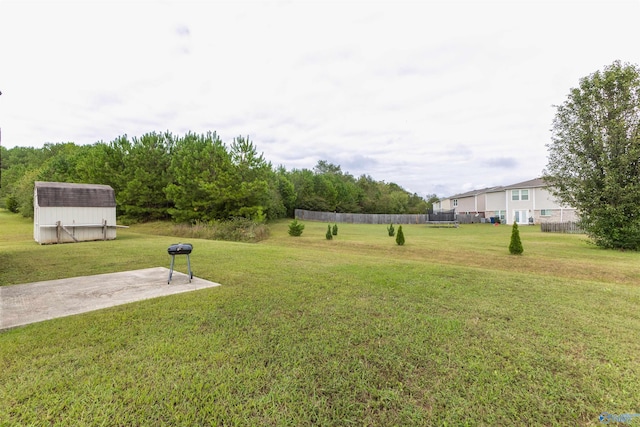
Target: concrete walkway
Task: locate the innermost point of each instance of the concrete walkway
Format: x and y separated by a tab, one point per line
35	302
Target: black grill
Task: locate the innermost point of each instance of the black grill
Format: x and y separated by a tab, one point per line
180	249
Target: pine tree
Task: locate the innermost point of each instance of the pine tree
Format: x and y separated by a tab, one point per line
515	247
335	229
329	235
400	237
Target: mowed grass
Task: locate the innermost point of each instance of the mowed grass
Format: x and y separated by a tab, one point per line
448	329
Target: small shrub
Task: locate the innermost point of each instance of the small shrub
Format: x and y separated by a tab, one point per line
329	235
334	230
400	236
12	204
391	230
259	217
515	247
295	228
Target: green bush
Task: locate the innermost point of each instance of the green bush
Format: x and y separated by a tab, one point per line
295	228
391	230
335	229
515	247
329	235
12	204
400	236
613	231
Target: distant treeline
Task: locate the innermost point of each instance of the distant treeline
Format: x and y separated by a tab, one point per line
196	177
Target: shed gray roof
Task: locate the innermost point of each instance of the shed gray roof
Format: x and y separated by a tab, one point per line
66	194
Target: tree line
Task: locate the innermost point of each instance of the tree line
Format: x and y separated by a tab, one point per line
196	177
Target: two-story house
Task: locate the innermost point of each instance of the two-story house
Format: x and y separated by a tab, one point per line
525	202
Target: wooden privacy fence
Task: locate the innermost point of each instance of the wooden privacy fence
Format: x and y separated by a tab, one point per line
354	218
561	227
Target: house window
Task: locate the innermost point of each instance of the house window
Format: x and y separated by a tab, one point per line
500	214
519	194
455	202
545	212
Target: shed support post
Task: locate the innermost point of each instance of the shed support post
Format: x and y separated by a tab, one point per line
69	233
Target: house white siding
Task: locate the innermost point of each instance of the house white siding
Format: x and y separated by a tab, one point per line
553	210
467	205
526	202
495	201
444	204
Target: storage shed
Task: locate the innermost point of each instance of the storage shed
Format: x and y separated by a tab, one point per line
66	212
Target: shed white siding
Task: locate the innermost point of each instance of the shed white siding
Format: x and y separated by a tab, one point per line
64	212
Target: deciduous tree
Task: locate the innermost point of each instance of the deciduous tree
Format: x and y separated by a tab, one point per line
594	156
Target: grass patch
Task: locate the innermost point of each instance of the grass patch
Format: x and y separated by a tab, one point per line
448	329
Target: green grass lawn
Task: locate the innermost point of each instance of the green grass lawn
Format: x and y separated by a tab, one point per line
448	329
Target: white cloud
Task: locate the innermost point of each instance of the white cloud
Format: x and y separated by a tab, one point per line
435	96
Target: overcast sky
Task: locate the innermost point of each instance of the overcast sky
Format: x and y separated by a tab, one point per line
436	96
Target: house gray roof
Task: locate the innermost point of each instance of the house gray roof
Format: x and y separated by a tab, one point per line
66	194
532	183
473	193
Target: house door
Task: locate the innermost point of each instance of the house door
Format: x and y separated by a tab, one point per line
521	217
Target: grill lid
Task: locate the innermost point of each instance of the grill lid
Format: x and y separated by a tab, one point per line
180	249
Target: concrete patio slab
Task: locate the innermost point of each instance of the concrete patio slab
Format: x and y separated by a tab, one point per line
35	302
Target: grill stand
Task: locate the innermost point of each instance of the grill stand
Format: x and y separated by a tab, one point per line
173	258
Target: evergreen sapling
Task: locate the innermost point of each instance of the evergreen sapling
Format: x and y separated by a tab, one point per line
400	236
515	247
295	228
